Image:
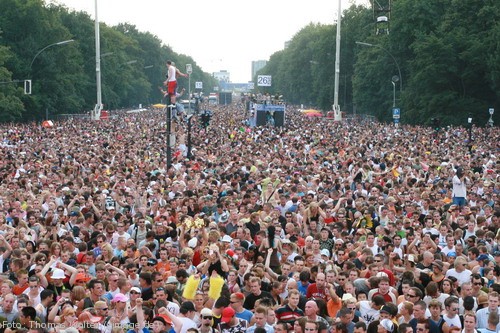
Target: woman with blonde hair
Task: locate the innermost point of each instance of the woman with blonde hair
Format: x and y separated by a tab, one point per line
68	317
313	213
106	253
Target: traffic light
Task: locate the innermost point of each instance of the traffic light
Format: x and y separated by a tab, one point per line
27	87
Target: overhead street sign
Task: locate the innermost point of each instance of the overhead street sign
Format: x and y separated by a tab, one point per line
264	80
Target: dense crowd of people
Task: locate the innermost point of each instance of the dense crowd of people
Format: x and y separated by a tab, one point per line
317	226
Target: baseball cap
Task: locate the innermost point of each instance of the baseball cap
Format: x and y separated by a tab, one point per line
325	252
227	239
135	289
82	277
227	314
163	318
120	298
205	312
389	310
482	257
171	279
387	324
452	254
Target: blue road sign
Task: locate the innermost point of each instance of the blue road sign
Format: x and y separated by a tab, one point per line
396	113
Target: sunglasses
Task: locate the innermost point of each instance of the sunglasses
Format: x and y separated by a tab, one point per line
208	317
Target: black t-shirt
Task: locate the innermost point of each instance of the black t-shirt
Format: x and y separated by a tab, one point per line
58	290
162	238
251	299
147	293
253	227
217	266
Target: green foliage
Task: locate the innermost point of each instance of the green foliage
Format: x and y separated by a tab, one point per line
11	106
448	52
64	76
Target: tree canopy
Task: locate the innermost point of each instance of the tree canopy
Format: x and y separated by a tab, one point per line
63	76
447	51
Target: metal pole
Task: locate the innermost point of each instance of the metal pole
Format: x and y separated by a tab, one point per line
169	133
470	135
98	106
189	95
393	94
336	106
190	117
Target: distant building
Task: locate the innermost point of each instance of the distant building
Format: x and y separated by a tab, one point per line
222	76
257	66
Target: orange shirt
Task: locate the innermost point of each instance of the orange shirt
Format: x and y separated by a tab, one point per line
333	307
18	290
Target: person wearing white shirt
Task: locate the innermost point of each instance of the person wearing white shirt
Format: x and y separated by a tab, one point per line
451	312
450	245
459	192
460	272
483	314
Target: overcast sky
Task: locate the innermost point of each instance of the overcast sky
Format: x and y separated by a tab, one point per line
218	34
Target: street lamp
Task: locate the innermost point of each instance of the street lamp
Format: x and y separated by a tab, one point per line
96	113
469	121
394	59
27	83
46	47
395	79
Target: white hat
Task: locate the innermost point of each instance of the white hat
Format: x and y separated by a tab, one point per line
136	289
387	325
65	189
105	191
193	242
325	252
347	296
285	241
206	312
171	279
227	239
223	217
58	273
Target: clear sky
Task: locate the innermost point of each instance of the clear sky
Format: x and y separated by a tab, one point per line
218	34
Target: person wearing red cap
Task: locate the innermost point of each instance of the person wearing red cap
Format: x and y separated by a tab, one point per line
230	323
